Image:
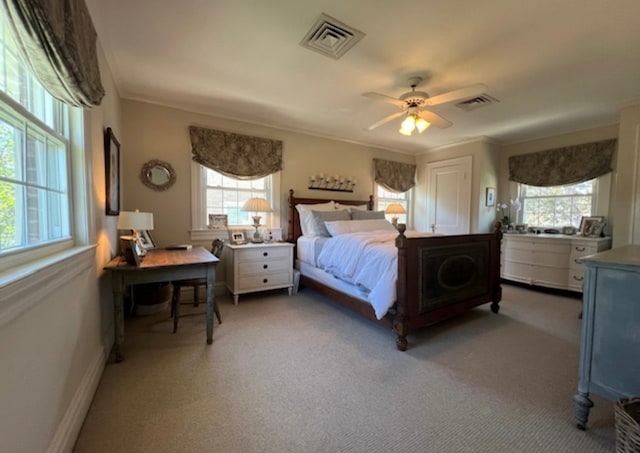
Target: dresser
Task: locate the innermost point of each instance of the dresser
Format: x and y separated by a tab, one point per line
259	267
549	260
610	341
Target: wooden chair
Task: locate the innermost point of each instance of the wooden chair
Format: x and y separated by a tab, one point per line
216	249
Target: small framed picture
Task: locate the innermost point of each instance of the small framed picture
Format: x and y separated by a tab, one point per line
490	197
237	237
217	221
147	241
521	228
130	249
591	226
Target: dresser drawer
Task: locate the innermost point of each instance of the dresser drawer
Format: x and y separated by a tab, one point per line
270	253
550	276
576	278
259	282
545	258
263	266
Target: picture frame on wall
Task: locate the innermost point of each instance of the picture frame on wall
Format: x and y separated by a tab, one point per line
490	197
112	172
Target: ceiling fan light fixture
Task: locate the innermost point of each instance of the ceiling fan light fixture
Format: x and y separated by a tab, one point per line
407	126
422	124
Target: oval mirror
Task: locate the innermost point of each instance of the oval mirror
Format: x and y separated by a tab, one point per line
158	175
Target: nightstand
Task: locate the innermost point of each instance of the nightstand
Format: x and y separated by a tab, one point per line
259	267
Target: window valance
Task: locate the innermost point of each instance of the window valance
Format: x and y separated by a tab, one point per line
58	42
394	176
560	166
238	156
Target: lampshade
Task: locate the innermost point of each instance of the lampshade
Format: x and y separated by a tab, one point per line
135	220
413	121
395	208
257	205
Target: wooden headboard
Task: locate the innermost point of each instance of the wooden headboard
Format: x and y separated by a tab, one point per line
294	218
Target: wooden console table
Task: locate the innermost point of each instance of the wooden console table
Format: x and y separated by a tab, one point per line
159	266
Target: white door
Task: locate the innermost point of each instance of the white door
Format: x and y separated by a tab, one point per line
449	196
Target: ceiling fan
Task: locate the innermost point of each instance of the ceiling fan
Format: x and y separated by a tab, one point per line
413	105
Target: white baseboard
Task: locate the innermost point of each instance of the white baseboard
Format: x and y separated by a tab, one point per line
67	432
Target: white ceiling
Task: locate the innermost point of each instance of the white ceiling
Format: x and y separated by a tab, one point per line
556	66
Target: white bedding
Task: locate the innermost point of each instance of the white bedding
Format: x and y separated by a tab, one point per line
367	260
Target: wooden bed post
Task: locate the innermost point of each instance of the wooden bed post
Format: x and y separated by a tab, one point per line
400	319
497	294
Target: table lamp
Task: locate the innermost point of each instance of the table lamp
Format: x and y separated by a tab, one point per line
395	209
256	205
135	221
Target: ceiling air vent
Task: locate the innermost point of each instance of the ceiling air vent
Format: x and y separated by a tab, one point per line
476	102
331	37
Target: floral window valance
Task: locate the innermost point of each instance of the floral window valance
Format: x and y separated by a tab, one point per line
560	166
238	156
58	42
394	176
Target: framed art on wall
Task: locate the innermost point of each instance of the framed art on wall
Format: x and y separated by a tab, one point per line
112	172
490	197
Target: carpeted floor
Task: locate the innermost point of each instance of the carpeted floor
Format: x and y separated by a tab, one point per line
301	374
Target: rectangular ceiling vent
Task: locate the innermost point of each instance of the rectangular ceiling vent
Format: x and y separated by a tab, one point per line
475	103
331	37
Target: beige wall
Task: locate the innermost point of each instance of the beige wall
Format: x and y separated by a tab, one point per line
158	132
626	193
53	353
484	174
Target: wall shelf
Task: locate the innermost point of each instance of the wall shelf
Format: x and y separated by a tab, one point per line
331	189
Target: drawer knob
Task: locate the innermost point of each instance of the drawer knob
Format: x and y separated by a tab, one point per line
265	280
264	266
265	254
578	278
581	249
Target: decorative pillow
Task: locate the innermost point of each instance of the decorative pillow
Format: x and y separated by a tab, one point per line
320	217
350	207
356	214
305	214
358	226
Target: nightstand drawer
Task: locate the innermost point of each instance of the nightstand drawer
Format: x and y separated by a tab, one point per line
263	267
265	281
261	254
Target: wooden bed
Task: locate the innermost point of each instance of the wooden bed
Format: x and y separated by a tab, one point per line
438	277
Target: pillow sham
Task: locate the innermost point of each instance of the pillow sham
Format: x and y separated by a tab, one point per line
351	207
356	214
320	217
305	214
338	227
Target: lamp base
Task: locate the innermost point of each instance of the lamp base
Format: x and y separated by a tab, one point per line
257	239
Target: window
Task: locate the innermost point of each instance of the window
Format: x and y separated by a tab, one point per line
385	197
557	206
225	195
34	158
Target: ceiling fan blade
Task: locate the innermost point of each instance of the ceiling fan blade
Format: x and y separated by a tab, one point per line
386	120
455	95
384	98
435	119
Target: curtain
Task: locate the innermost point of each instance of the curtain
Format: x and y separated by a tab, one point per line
560	166
238	156
58	42
394	176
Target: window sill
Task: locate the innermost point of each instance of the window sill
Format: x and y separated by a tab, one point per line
25	286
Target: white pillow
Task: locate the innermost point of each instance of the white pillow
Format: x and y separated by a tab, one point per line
306	220
350	207
339	227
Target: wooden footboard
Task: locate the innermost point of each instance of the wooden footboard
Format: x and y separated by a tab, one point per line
438	276
442	276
